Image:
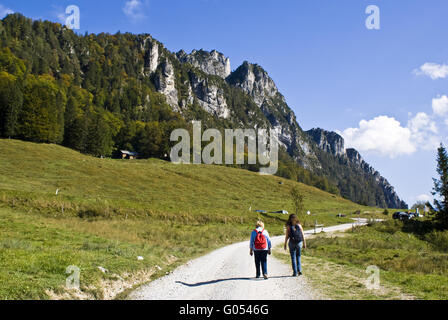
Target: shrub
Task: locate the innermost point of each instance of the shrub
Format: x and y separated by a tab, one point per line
418	227
439	239
90	214
389	226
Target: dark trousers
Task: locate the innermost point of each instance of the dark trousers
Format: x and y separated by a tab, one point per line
261	261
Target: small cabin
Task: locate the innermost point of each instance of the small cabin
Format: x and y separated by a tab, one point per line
128	155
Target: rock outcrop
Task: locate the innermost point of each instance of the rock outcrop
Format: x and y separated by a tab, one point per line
330	142
391	197
165	82
210	96
150	48
213	62
255	81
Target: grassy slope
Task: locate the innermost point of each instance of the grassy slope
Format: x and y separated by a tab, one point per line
109	211
410	266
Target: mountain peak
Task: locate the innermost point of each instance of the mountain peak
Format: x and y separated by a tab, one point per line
328	141
213	62
255	81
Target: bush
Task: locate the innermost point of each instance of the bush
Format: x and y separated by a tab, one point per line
91	214
439	239
418	227
389	226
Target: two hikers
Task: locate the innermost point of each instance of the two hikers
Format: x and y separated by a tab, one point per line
294	233
260	246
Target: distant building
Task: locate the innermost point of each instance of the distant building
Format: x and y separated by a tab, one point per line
128	155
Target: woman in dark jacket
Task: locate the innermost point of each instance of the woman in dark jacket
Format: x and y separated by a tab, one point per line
294	233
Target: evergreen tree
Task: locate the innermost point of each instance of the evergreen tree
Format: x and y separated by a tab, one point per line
150	140
11	100
441	187
76	134
99	141
42	115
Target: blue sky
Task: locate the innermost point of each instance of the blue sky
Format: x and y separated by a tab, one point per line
383	90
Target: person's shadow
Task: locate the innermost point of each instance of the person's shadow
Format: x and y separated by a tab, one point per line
199	284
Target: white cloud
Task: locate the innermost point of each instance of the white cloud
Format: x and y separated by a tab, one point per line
424	198
424	132
433	70
422	122
134	9
440	105
386	136
4	11
383	135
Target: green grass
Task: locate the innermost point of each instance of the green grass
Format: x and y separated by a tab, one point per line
418	265
108	212
35	250
342	282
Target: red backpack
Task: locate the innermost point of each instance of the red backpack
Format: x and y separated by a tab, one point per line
260	241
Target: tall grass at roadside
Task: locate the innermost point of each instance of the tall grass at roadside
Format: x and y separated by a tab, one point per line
418	264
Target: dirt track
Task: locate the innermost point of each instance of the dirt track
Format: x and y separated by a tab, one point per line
228	274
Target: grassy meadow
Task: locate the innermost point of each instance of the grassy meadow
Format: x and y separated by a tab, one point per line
413	265
107	212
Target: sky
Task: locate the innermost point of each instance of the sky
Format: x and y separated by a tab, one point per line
383	89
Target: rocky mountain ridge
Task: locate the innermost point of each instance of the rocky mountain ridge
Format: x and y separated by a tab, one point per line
253	80
334	144
130	75
208	82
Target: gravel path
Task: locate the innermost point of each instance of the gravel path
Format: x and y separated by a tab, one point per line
228	274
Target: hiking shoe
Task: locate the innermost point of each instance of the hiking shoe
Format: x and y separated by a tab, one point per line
300	273
257	277
265	277
295	275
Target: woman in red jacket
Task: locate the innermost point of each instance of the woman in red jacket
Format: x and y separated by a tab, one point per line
260	245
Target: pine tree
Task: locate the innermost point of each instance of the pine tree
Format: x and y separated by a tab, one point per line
150	140
100	141
441	187
42	116
11	100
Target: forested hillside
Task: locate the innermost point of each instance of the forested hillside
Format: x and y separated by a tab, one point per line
99	94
